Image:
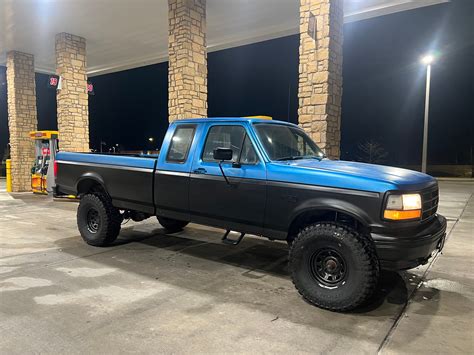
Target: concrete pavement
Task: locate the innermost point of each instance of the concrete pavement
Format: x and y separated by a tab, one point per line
188	293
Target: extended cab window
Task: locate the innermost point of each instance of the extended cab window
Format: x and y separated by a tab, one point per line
180	144
233	137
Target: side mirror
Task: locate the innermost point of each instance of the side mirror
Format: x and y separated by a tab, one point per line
222	154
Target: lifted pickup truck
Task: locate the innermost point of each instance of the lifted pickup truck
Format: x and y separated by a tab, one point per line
342	220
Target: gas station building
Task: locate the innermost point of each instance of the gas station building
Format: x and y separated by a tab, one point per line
138	281
89	40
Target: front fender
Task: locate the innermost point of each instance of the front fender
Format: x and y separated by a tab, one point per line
332	204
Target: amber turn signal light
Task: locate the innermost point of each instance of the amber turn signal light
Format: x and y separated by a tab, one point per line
398	215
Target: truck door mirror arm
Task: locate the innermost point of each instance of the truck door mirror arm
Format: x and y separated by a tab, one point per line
223	154
222	171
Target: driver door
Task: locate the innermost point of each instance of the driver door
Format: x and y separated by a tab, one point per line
239	205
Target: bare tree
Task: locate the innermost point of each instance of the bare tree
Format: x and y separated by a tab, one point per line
372	151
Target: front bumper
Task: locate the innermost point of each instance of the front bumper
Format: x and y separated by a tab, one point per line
407	249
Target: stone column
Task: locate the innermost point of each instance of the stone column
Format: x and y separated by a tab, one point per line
21	117
72	99
187	73
320	72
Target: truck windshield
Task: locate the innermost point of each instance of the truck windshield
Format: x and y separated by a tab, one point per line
283	142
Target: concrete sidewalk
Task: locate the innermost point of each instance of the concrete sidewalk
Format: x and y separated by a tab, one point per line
188	293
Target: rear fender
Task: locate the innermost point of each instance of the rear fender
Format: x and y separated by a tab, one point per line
87	180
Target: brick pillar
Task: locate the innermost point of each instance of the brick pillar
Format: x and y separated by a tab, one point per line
72	99
21	117
320	72
187	73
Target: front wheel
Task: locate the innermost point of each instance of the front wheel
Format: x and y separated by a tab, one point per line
98	221
333	266
172	225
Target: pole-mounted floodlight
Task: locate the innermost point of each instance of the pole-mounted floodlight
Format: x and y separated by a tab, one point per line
426	60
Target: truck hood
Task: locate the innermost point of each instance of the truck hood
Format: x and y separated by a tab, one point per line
403	178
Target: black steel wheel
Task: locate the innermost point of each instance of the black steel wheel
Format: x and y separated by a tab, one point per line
333	266
98	220
328	267
93	220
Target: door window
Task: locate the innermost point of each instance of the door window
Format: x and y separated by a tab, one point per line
180	144
248	156
232	137
223	137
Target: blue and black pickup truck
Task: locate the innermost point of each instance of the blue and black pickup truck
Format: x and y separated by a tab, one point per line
343	221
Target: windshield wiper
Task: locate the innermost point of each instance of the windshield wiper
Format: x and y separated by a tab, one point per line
316	157
291	157
298	157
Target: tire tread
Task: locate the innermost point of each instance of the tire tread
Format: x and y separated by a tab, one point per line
366	253
112	222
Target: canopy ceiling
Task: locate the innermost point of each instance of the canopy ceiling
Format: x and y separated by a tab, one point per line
123	34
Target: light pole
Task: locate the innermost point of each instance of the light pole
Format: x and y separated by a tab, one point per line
426	60
150	144
102	144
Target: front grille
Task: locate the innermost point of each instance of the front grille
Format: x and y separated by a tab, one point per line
429	198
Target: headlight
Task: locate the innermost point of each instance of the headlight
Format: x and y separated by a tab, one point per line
403	207
411	202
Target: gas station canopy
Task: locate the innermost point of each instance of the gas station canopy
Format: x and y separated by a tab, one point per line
124	34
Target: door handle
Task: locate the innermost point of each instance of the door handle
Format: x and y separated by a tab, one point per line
200	171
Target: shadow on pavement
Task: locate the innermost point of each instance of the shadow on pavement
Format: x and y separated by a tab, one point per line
258	257
190	260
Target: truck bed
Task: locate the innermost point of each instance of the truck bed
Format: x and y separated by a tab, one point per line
128	179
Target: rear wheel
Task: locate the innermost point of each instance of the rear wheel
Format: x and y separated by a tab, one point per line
333	266
172	225
98	221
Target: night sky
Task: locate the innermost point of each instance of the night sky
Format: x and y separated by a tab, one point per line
383	95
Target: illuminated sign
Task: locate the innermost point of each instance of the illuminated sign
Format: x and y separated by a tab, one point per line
90	88
53	81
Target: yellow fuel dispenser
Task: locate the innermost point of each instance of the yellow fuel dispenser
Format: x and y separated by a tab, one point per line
42	173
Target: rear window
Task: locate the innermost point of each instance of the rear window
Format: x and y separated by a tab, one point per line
180	144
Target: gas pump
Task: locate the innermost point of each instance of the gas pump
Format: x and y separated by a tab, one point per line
42	173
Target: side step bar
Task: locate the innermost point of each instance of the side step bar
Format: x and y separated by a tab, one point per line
228	241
